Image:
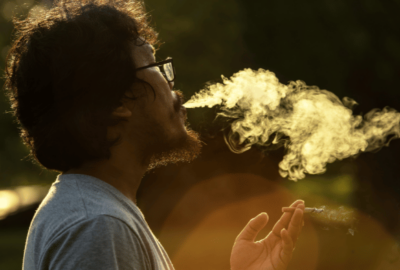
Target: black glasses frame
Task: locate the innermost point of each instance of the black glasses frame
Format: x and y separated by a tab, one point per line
160	65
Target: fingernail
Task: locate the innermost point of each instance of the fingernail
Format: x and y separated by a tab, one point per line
260	214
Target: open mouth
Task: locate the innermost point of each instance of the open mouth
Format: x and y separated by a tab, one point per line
184	112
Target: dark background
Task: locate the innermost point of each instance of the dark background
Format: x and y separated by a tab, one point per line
349	47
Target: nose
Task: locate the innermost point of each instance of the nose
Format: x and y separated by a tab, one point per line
171	85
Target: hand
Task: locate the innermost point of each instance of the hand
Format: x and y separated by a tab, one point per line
274	251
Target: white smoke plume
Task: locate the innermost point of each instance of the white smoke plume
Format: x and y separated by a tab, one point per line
321	128
338	218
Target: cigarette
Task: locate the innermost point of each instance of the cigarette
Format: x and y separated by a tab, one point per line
306	210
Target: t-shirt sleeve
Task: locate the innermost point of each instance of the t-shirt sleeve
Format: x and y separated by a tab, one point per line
103	242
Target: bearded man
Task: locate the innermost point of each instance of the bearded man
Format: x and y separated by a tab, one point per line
94	105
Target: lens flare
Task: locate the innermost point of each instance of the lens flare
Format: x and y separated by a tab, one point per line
314	125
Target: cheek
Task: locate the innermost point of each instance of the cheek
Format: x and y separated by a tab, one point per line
164	100
162	109
162	105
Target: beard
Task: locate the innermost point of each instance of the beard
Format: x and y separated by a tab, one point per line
174	150
186	150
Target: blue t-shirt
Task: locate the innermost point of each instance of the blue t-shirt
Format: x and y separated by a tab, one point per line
85	223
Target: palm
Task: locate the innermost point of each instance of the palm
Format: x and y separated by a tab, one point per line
274	251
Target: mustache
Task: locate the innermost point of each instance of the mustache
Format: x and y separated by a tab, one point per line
180	100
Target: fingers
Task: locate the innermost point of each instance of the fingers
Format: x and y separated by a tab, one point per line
249	233
288	209
287	247
296	223
283	222
296	203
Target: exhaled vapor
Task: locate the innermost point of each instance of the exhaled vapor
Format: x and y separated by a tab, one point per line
316	126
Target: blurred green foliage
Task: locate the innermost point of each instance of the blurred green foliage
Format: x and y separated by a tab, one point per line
351	48
15	166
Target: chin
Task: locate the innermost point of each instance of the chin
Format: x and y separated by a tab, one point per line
185	148
178	141
183	135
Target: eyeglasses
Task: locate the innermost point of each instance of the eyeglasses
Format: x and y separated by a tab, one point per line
166	68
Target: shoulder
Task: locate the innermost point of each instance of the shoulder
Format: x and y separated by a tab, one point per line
100	242
84	213
73	199
99	229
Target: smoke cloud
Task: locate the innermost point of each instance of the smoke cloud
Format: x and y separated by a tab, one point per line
313	125
338	218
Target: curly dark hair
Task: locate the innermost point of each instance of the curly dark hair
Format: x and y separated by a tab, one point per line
68	69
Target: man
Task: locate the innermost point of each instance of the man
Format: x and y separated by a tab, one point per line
94	105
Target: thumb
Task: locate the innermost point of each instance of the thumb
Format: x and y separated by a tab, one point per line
249	233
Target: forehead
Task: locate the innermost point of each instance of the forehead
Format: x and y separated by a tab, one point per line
148	48
143	54
145	49
153	51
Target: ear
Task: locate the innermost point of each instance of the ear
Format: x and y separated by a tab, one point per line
122	112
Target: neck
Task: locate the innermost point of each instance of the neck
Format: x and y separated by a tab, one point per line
124	170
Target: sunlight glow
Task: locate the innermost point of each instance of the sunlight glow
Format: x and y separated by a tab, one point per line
9	202
19	198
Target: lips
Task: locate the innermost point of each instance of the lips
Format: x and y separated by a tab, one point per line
183	110
179	101
178	104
